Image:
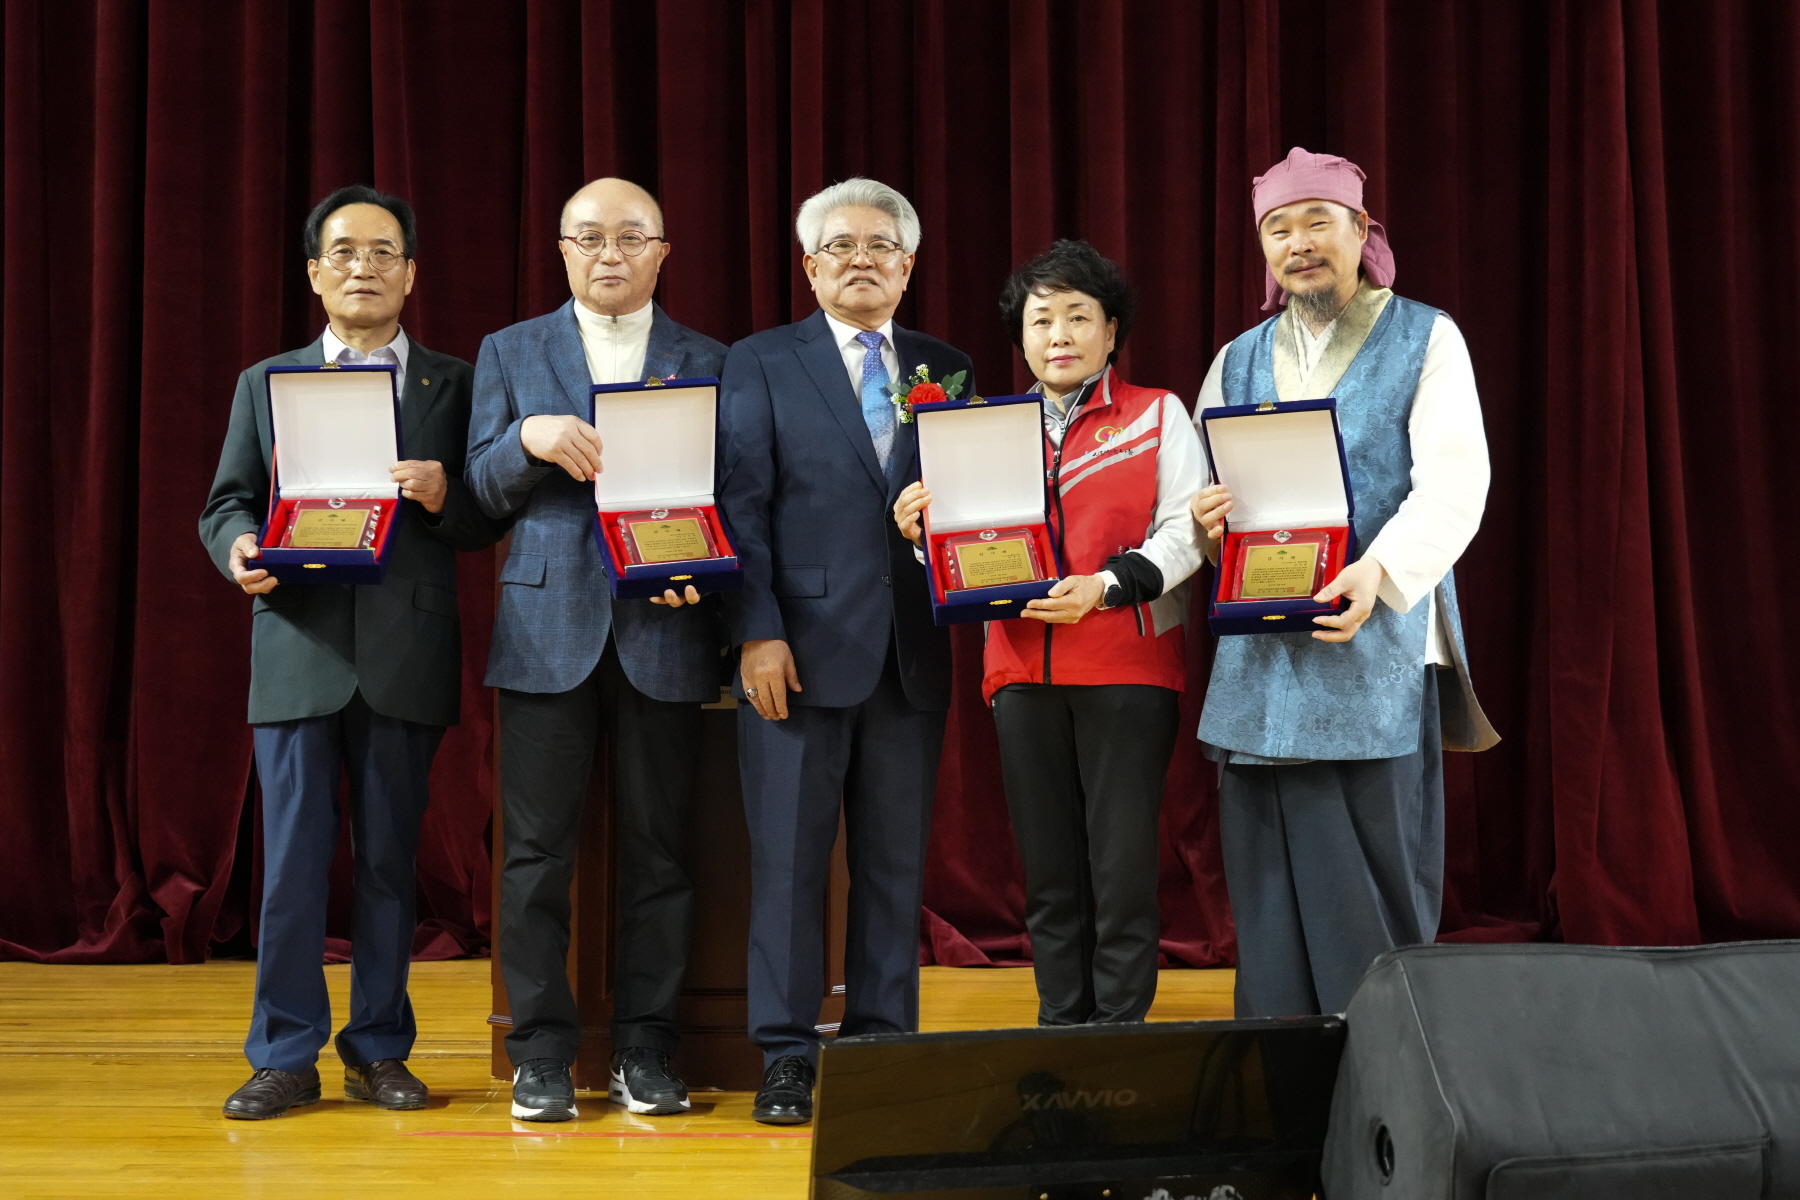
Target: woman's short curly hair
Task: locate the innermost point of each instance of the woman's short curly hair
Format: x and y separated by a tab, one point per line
1070	266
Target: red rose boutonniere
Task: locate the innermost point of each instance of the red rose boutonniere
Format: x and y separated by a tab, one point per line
919	389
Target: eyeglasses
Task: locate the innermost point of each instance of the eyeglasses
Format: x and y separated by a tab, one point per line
631	242
880	251
345	259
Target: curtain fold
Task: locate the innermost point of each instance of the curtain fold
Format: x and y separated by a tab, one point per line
1595	191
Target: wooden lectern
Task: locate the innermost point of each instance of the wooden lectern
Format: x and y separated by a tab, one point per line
715	1048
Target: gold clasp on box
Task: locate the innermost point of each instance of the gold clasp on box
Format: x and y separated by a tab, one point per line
1276	617
674	578
653	381
1266	406
999	601
329	366
315	566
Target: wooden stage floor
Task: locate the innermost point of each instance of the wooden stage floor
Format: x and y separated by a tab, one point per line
111	1080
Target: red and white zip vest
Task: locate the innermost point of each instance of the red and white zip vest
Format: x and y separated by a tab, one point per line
1103	503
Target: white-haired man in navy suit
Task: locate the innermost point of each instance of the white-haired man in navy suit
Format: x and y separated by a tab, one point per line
847	679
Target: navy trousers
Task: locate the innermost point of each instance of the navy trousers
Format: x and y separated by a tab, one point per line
876	763
1330	864
299	763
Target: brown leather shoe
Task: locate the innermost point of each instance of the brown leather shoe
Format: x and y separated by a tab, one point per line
385	1083
269	1093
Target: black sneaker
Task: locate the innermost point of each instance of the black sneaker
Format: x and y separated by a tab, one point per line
543	1091
643	1083
786	1096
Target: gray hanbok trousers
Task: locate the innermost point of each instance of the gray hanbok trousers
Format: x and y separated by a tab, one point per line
1329	864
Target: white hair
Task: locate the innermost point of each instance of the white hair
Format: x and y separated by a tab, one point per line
809	224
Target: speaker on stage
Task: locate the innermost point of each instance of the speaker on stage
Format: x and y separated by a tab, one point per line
1215	1110
1557	1072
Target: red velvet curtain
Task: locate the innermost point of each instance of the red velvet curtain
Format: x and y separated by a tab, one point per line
1597	190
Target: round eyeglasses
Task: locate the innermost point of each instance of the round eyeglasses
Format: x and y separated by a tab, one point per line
590	243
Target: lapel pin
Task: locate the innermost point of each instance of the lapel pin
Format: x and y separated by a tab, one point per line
424	383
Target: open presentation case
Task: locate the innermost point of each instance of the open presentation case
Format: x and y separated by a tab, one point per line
655	519
1291	528
982	460
336	437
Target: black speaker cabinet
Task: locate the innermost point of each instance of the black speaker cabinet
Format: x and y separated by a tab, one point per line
1557	1072
1214	1110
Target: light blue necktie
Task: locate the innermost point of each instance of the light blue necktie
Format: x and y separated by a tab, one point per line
877	405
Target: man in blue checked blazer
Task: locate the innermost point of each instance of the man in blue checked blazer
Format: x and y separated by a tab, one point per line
567	657
846	677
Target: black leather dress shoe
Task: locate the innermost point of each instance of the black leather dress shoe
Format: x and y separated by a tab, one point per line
385	1083
269	1093
786	1096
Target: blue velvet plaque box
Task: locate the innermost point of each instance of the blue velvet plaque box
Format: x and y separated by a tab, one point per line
335	432
1286	469
982	459
657	441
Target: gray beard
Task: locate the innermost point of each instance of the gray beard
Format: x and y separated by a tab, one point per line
1317	309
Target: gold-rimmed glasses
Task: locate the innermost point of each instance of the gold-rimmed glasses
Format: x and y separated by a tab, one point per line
343	259
880	251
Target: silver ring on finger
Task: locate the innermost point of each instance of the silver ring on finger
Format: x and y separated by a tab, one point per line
750	692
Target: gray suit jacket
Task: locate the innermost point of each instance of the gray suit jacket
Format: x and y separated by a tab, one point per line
313	645
555	610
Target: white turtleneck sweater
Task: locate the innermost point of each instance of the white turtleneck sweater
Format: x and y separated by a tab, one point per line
615	346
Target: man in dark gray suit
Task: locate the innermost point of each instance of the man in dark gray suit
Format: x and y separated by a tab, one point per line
848	679
566	658
360	679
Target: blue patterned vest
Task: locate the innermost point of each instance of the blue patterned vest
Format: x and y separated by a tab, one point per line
1286	695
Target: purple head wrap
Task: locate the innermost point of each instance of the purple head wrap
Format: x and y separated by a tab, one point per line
1303	175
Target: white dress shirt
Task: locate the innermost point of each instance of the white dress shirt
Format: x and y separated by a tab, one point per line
1173	542
393	354
615	346
1434	524
853	351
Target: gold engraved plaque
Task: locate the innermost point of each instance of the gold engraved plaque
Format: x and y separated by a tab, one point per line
991	564
676	540
1279	572
344	527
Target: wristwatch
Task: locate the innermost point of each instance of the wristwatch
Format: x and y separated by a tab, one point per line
1115	596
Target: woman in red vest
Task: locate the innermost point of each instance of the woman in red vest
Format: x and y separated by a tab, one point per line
1085	684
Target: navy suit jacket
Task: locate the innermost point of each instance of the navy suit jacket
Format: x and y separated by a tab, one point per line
825	568
313	645
555	610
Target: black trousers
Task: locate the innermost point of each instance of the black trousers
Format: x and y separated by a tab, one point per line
1084	768
547	752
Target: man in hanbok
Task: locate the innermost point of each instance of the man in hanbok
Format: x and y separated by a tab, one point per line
1330	743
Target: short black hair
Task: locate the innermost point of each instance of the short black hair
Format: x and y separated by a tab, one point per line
360	193
1070	266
